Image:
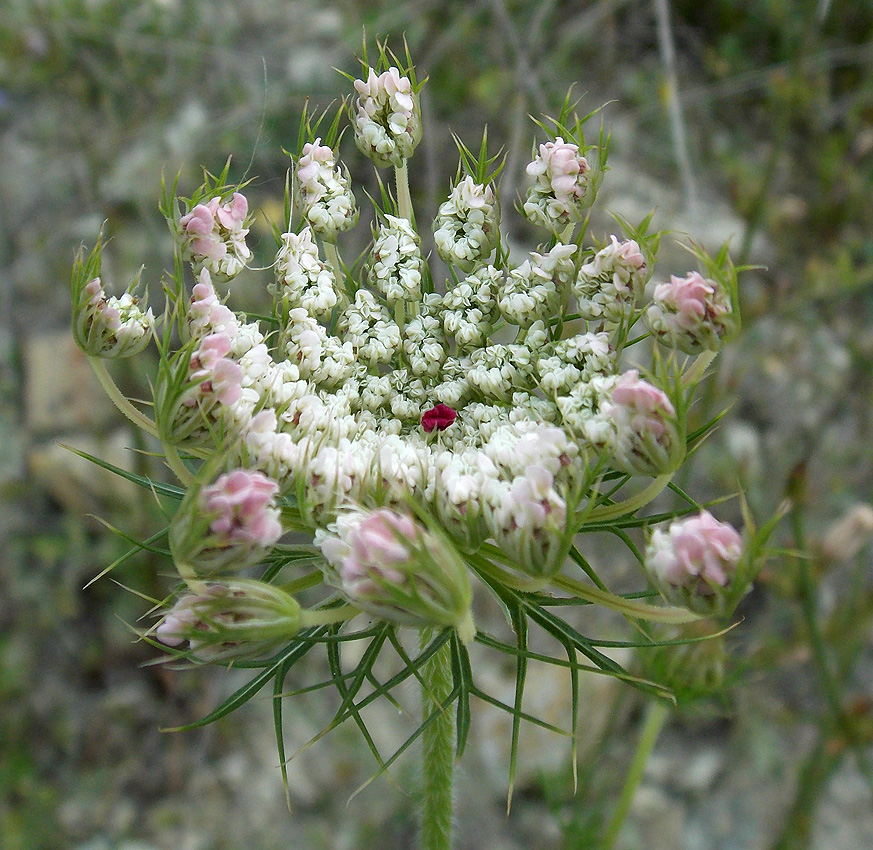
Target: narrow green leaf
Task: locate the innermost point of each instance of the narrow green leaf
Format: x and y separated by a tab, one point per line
462	674
291	656
147	483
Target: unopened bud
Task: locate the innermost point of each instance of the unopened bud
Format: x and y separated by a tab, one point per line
387	121
691	313
229	619
213	236
647	438
698	563
227	525
395	568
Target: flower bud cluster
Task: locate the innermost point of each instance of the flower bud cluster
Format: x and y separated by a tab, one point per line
396	264
648	439
395	568
694	562
227	525
406	420
323	192
228	619
110	327
387	121
303	280
467	227
214	236
557	197
609	285
692	314
536	289
470	308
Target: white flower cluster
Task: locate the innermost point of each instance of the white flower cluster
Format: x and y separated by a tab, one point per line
387	122
611	282
303	280
396	261
323	192
486	402
536	290
467	227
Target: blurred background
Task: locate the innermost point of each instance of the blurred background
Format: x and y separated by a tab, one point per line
748	120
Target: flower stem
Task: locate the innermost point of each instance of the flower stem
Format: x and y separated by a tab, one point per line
605	513
655	719
628	607
404	199
175	463
118	398
333	258
438	754
327	616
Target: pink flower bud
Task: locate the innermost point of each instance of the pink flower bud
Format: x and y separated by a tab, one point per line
237	618
691	313
700	563
696	549
242	504
395	568
376	546
647	434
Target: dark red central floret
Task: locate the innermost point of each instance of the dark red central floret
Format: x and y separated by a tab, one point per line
439	417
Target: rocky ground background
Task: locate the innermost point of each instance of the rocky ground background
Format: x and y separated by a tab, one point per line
98	98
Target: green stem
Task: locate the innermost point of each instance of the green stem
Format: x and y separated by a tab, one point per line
404	199
438	754
628	607
119	399
655	719
175	463
634	503
327	616
333	258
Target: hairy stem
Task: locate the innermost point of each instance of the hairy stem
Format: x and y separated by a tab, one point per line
438	754
119	399
404	199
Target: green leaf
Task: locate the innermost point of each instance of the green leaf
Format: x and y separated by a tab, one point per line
241	696
462	675
149	484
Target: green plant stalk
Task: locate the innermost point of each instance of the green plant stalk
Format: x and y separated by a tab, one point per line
404	199
655	719
118	398
438	739
333	258
175	463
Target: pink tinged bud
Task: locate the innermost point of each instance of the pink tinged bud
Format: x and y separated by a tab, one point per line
243	502
226	383
633	392
629	252
94	291
695	552
200	221
212	349
376	545
232	214
439	418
